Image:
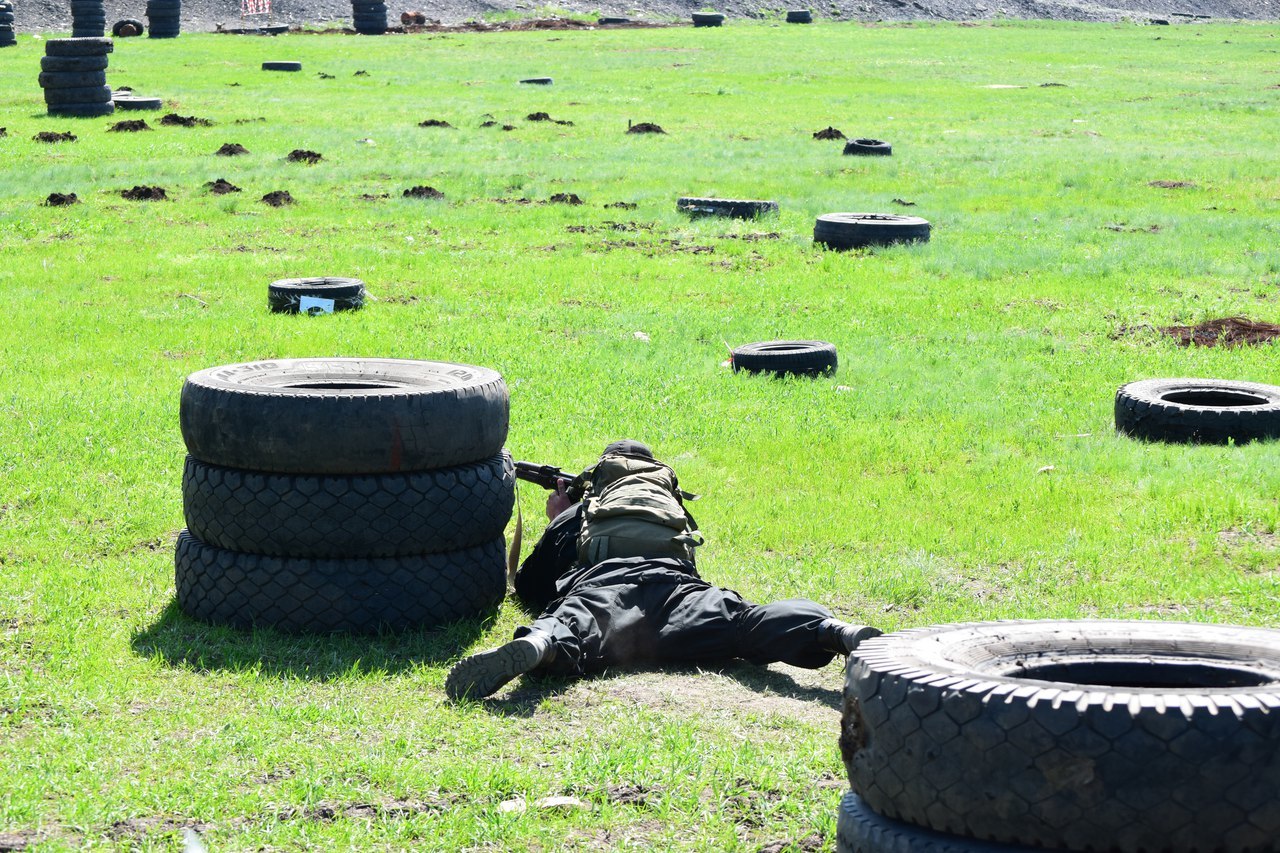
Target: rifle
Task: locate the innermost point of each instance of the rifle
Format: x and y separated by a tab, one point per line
548	476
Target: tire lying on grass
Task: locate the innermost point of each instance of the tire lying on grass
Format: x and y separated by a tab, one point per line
799	16
117	28
275	65
1198	411
707	19
859	230
284	296
860	830
344	516
1125	736
343	415
321	596
129	101
868	148
797	358
733	208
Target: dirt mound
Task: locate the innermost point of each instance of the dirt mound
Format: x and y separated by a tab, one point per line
1227	332
221	186
51	136
61	200
301	155
492	123
829	133
278	198
423	192
622	205
644	127
129	126
144	193
565	198
537	117
4	131
1173	185
231	149
434	122
175	120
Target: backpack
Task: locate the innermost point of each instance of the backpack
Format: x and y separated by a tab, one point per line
633	506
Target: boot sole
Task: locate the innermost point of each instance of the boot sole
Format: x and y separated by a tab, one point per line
481	675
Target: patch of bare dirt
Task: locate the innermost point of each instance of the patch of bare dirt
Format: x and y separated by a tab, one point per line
231	149
610	226
1227	332
1173	185
565	198
622	205
423	192
278	198
321	75
540	116
249	120
61	200
521	200
361	73
129	126
644	127
829	133
1238	538
175	120
302	155
1132	229
1053	85
52	136
325	813
434	122
144	193
630	795
142	827
13	841
374	196
808	844
753	236
221	186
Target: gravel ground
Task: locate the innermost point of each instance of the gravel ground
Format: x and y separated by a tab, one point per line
49	16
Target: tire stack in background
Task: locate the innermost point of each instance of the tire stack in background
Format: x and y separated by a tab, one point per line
369	17
73	74
7	38
344	494
88	19
163	18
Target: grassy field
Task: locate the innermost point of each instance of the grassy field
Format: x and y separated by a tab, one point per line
961	465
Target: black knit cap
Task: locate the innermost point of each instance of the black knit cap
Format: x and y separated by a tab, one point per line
630	448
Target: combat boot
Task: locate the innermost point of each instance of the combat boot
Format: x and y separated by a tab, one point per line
842	638
481	674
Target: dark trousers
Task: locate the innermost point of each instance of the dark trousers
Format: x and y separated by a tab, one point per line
659	616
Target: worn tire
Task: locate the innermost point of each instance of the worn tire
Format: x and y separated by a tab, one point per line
343	415
868	148
797	358
72	79
799	16
79	64
133	22
860	830
78	47
281	66
81	110
85	95
324	596
611	20
1198	411
284	295
1013	732
860	230
733	208
707	19
125	101
537	81
388	515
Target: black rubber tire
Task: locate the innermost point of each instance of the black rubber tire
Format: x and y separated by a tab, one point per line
359	6
859	230
370	30
63	64
78	47
609	20
125	101
734	208
119	25
1013	732
168	33
799	16
868	148
781	358
72	79
707	19
537	81
860	830
160	22
164	7
87	95
281	66
283	295
332	517
1198	411
324	596
344	415
82	7
81	110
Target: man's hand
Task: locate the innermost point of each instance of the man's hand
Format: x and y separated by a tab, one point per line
558	501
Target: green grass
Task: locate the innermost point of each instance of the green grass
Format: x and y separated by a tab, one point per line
961	465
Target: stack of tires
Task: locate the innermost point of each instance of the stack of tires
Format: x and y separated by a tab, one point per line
1064	735
163	18
73	74
7	38
88	19
369	17
343	494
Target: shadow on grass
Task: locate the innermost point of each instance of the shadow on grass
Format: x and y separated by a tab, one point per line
185	642
764	680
